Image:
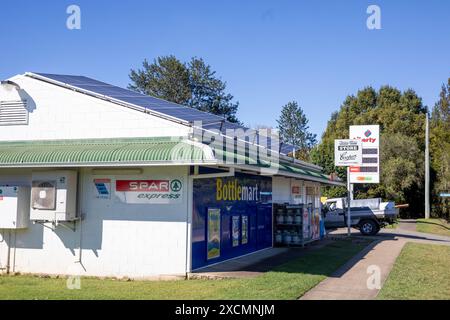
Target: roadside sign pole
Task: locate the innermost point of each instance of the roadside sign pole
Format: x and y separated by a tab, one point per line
427	169
349	197
348	152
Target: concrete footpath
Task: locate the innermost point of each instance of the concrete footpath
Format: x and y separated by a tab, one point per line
350	281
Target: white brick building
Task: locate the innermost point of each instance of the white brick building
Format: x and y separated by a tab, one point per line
118	150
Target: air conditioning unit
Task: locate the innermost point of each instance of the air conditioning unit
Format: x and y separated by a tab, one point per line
54	196
14	207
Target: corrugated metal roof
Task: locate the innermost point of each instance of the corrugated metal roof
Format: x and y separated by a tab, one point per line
101	151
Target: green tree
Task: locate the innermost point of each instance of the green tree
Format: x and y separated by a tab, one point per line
293	129
402	170
440	151
166	78
401	118
193	84
208	91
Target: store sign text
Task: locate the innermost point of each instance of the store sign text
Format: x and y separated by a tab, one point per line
234	191
149	191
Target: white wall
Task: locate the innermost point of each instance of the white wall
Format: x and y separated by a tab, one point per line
59	113
282	190
117	239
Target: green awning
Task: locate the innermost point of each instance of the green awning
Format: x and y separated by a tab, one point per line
102	152
139	151
282	167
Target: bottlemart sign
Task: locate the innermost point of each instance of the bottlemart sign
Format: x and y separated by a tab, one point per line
163	191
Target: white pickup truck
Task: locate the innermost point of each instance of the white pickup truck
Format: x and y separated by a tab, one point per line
367	215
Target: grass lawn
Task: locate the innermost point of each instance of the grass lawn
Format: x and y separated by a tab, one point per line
288	281
420	272
392	226
436	226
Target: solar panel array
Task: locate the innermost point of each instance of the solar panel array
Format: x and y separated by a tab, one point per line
209	121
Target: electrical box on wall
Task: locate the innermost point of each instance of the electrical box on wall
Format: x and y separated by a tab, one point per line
53	196
14	207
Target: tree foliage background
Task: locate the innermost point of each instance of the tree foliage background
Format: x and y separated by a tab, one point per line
193	84
440	152
401	116
293	129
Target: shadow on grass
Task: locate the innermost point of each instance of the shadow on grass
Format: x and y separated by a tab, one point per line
322	259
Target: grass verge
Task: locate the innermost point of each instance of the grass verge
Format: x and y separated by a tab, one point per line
288	281
435	226
392	226
420	272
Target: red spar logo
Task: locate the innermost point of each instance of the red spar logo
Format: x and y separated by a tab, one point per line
143	185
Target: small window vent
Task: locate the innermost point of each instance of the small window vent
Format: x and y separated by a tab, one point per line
13	113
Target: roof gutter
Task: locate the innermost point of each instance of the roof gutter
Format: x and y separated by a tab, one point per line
108	165
285	174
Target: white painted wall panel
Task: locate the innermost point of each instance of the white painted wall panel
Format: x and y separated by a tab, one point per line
117	239
59	113
281	190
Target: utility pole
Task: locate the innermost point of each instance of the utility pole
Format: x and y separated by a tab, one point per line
349	199
427	168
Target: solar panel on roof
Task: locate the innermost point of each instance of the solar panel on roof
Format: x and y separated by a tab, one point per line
209	121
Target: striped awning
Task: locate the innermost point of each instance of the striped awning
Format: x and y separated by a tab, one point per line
141	152
102	152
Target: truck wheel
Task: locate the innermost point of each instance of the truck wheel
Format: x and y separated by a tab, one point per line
369	228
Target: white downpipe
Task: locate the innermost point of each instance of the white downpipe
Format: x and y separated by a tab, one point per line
190	201
8	256
80	195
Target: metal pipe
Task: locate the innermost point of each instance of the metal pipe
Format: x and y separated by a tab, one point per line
349	220
427	169
8	256
188	230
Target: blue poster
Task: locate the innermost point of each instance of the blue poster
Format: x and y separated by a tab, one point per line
213	233
232	216
236	231
244	235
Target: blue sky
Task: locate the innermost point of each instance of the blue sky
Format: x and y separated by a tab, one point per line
269	52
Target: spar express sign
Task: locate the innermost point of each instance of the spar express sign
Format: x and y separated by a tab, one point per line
163	191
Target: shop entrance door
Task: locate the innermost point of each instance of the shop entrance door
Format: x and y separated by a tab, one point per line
264	226
253	234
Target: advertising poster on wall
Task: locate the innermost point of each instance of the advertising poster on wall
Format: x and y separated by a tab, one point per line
315	225
161	191
296	192
102	188
245	196
236	231
213	246
306	222
244	231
